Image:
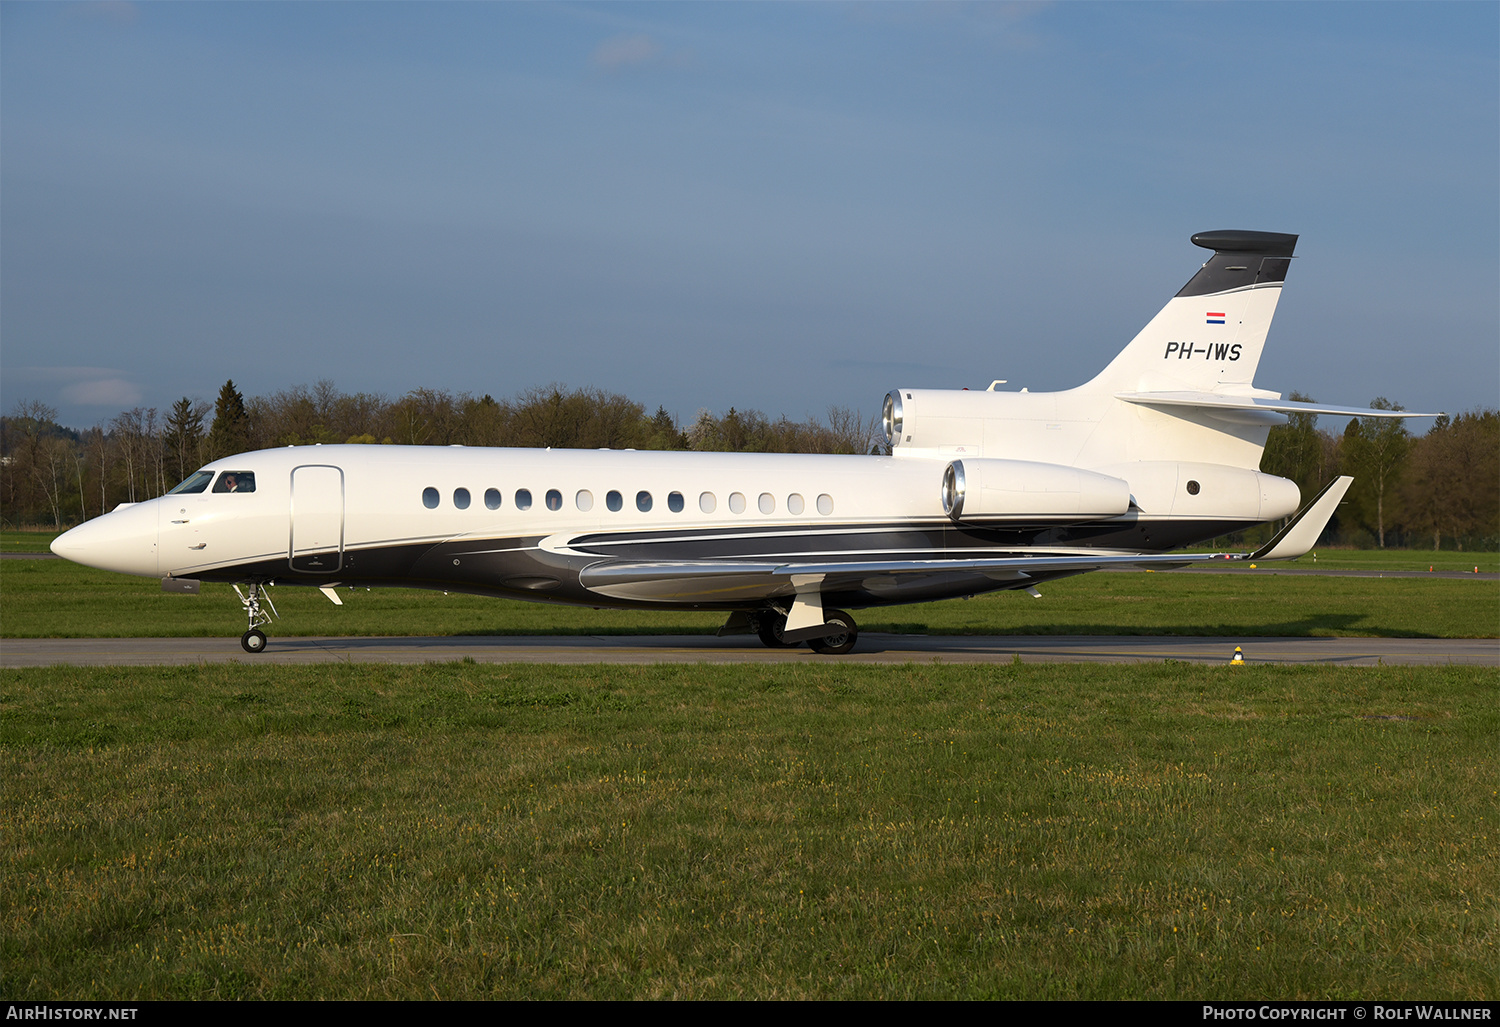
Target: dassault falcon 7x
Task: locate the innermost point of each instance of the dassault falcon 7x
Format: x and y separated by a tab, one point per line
983	491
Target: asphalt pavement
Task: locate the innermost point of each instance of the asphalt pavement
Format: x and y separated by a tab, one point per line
873	647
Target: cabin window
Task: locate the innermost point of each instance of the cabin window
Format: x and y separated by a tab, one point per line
523	499
674	502
554	499
613	501
737	502
706	502
235	481
794	503
825	504
767	503
193	484
461	498
584	500
492	498
643	502
1193	488
430	497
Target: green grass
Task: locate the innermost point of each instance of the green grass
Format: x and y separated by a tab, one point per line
479	831
1408	560
54	598
26	541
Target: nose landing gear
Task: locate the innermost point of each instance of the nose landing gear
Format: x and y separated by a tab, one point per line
254	639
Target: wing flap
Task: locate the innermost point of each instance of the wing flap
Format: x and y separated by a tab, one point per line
702	581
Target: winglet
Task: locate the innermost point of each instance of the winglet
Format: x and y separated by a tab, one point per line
1302	531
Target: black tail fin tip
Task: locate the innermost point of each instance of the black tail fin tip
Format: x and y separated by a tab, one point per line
1266	244
1241	260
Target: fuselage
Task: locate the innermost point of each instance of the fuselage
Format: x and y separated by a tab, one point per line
529	523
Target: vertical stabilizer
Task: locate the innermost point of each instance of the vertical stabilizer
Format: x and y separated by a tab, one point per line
1210	335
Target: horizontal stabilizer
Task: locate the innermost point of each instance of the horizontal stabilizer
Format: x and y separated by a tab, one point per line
1302	531
1212	401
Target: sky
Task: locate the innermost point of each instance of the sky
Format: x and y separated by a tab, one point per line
775	206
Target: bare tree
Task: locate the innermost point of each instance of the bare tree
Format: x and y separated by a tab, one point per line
851	431
51	472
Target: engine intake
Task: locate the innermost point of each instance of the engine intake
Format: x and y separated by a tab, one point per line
891	416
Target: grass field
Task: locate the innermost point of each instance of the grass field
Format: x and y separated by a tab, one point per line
54	598
468	831
493	831
26	541
1396	560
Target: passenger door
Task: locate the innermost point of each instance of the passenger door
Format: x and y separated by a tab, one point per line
316	543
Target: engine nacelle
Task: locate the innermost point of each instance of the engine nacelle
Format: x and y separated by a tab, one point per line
949	420
957	423
1008	489
1180	488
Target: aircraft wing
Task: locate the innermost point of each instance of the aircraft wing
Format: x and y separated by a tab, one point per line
709	581
720	581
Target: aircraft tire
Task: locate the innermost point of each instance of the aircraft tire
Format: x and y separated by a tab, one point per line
253	641
769	625
842	641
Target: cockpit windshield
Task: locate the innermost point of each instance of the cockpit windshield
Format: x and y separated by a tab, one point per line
195	482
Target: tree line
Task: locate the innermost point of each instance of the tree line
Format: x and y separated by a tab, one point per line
1438	490
56	476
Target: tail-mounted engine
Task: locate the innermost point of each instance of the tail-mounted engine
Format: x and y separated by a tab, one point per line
1008	489
934	420
1011	490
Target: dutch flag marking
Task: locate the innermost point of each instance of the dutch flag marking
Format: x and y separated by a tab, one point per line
1215	319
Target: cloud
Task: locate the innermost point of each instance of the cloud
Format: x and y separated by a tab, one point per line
81	386
102	392
626	52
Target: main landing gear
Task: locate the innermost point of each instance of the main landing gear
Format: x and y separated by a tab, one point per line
770	625
254	640
841	640
840	632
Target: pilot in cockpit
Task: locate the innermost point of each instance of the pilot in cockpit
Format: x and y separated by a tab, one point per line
235	481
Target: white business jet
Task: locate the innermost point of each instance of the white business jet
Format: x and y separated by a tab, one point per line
984	491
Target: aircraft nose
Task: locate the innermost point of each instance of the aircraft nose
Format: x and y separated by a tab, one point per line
122	540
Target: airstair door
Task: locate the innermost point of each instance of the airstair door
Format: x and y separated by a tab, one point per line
316	544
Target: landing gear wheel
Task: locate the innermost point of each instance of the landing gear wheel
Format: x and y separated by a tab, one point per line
841	640
253	641
770	625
